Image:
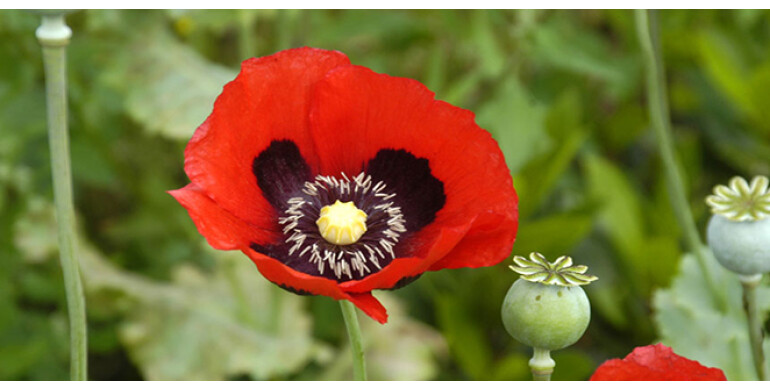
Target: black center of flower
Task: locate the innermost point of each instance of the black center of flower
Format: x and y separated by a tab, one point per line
395	189
385	224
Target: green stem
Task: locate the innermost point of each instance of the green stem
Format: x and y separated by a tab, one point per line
541	365
54	35
356	344
659	114
756	337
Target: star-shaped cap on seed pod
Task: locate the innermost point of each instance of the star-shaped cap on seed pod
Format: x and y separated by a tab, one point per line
742	201
560	273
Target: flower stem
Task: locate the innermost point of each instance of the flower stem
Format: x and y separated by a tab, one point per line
541	365
356	344
659	114
54	35
756	338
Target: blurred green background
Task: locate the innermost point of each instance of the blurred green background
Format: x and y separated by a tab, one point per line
561	91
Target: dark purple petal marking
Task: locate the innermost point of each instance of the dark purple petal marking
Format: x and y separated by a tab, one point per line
419	194
281	172
405	281
294	290
396	190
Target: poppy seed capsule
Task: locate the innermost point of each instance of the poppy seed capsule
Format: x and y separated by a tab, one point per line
739	231
545	316
740	246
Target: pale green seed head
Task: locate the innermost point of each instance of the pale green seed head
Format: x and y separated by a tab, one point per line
742	247
561	272
739	231
546	308
742	201
545	316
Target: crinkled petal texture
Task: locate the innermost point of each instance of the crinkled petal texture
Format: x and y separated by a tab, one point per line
268	100
655	363
450	176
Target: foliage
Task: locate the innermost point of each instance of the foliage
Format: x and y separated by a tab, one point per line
561	92
205	326
688	302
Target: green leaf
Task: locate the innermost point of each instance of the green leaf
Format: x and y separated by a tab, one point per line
465	337
514	367
554	235
745	86
35	233
723	64
609	302
689	322
206	327
621	214
659	259
561	44
648	259
539	176
572	365
517	123
168	88
486	42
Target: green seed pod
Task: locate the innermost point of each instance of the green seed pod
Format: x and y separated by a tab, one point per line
739	231
741	247
543	316
546	308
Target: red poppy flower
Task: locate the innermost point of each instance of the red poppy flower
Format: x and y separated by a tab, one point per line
303	128
655	363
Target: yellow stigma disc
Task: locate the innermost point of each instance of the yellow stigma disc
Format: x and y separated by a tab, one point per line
341	223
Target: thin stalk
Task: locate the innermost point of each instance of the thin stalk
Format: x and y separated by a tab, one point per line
755	323
54	35
541	365
356	344
659	114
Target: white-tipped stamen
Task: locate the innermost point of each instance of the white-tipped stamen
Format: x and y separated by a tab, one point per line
343	260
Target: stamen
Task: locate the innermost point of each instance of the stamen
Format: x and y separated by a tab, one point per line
343	225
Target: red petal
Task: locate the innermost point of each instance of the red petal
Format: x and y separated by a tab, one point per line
489	239
356	112
371	306
280	274
221	229
460	246
435	246
655	363
269	100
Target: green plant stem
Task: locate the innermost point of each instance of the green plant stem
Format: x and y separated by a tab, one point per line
755	323
54	35
541	365
356	344
659	114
